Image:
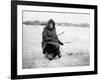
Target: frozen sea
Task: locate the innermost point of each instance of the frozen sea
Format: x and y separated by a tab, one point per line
75	53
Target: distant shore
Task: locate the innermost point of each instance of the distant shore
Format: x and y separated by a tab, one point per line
59	24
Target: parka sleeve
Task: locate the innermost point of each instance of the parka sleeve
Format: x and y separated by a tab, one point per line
45	36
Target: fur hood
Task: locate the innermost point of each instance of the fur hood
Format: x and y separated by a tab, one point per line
48	24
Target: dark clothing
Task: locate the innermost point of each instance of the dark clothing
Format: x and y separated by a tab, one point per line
50	41
49	35
51	50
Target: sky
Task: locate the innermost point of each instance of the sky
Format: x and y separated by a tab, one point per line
57	17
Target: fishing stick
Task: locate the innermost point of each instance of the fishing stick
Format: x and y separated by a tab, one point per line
60	33
66	42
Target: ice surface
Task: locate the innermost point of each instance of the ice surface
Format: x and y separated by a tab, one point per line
75	53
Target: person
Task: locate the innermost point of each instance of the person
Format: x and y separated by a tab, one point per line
49	36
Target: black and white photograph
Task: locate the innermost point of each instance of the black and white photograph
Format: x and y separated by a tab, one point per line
53	40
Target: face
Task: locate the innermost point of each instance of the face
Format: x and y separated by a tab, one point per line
51	25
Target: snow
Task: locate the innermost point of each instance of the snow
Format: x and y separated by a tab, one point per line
75	53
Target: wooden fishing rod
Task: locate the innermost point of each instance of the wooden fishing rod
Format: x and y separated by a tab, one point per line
66	42
60	33
63	33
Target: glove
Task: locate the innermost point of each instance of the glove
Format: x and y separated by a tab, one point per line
62	43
